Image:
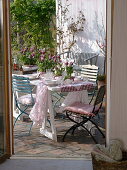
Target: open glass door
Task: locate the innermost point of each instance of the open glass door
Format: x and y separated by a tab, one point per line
4	84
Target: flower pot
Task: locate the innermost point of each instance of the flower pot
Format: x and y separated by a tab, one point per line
29	67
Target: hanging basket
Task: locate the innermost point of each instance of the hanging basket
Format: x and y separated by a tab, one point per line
102	165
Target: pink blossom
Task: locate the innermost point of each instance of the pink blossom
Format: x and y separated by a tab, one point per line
23	50
50	57
42	57
31	49
71	63
33	54
42	51
53	56
55	59
66	63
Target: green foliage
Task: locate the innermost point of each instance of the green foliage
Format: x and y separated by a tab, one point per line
47	61
32	23
59	69
28	56
69	69
101	77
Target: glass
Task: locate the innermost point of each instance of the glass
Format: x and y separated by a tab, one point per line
64	74
49	74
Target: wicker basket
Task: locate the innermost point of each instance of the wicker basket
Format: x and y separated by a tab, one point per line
102	165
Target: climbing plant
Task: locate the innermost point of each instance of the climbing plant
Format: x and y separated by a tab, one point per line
32	23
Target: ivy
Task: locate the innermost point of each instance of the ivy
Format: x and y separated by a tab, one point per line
33	23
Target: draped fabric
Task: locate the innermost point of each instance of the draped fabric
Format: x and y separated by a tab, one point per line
39	110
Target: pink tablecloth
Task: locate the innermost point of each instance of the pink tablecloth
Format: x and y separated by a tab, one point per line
39	110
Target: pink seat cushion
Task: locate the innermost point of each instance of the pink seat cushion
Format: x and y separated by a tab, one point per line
26	99
80	108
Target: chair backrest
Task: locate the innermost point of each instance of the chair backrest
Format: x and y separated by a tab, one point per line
67	54
86	58
92	60
89	71
99	98
21	84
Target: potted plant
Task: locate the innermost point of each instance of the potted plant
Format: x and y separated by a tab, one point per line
69	70
28	58
59	70
101	80
47	61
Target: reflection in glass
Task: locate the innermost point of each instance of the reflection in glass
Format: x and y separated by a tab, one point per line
2	87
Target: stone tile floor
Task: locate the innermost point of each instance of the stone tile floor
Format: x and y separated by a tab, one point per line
77	146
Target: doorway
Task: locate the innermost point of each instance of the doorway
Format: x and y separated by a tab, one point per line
39	143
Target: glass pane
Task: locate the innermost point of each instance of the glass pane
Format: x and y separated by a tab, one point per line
2	88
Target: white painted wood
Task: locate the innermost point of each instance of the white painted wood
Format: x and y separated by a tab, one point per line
52	135
89	71
118	111
94	11
51	113
108	75
90	67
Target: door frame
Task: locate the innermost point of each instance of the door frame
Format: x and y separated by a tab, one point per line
109	15
110	9
7	81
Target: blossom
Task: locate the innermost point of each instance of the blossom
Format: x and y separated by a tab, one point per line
70	64
42	51
66	63
50	57
47	61
33	54
32	49
28	55
42	57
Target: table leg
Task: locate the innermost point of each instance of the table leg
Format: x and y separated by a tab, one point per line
51	114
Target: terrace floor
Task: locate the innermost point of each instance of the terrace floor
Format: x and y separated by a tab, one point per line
77	146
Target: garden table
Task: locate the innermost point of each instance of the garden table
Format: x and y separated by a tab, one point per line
73	87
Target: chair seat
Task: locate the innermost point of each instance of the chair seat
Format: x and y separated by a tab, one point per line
26	99
81	108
